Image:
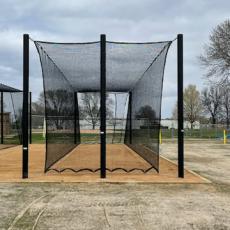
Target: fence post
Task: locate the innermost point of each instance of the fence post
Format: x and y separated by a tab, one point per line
75	118
180	105
130	118
25	106
2	117
30	118
160	136
103	106
225	139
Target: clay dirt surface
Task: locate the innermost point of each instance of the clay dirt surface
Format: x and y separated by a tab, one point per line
129	205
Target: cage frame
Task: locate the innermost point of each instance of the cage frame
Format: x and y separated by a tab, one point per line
25	118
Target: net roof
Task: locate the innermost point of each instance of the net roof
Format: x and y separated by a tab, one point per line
79	63
5	88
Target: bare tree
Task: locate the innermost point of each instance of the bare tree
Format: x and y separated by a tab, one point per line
212	100
59	106
192	104
38	107
216	56
174	112
90	108
226	102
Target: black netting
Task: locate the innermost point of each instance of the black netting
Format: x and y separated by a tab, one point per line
138	68
134	79
144	111
59	111
10	116
78	64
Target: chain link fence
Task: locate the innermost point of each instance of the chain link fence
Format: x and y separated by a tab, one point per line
116	131
203	131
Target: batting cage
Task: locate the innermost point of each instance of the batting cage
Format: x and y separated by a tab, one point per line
102	104
10	116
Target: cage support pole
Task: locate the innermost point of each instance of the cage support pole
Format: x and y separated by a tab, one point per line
103	106
25	107
75	118
2	117
78	121
30	117
180	109
130	118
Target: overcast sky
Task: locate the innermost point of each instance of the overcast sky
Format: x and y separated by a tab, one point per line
129	20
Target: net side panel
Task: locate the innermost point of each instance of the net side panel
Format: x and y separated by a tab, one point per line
77	131
1	117
12	118
127	139
143	134
17	101
59	111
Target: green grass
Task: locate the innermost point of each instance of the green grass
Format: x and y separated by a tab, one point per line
14	140
195	133
37	138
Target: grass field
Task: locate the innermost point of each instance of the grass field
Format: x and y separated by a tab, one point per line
211	133
127	205
37	138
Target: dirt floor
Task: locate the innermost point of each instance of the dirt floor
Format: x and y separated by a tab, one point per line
127	205
5	146
88	156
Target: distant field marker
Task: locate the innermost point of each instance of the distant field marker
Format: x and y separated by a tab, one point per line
160	137
225	137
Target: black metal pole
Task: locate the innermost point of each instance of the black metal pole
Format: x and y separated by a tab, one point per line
30	118
130	118
180	105
75	118
78	121
25	106
2	117
103	106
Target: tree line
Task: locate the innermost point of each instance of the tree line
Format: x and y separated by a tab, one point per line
212	104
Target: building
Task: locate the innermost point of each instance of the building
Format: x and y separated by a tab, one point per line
172	124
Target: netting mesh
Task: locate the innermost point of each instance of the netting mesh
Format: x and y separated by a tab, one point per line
78	64
134	79
59	110
10	116
144	113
